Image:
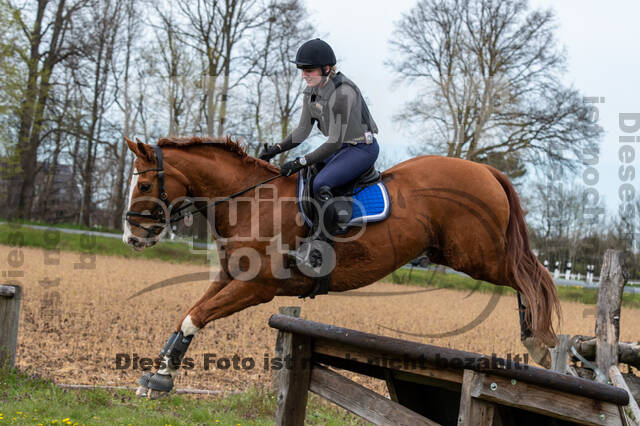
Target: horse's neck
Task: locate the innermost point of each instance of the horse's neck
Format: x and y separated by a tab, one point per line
216	173
226	174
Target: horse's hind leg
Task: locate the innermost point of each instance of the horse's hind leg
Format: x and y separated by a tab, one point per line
538	350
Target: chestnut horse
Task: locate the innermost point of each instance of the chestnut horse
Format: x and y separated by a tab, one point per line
463	214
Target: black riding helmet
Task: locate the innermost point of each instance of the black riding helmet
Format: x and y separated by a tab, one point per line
315	54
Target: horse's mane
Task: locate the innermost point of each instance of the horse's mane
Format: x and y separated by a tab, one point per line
226	143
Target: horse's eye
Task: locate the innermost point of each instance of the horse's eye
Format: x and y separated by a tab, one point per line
145	187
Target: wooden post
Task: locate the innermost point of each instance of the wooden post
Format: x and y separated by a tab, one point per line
294	378
10	298
613	276
473	412
292	311
560	354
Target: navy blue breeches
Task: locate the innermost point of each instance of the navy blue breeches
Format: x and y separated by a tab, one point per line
346	164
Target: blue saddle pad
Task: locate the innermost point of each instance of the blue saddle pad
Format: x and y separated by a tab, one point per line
370	204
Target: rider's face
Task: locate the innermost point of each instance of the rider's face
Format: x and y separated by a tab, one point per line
312	76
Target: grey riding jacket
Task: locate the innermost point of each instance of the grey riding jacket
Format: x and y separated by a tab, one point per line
341	114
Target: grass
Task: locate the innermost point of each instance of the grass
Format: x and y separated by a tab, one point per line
64	225
587	296
26	399
14	234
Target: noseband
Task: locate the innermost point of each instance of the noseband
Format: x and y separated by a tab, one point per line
175	215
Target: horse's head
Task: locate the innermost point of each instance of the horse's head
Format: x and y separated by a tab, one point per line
154	189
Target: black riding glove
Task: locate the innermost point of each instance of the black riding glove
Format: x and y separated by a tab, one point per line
291	167
269	152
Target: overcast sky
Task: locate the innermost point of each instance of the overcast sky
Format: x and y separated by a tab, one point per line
601	38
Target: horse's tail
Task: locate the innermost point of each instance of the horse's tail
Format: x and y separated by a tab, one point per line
526	272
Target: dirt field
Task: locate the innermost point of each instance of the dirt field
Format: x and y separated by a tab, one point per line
72	329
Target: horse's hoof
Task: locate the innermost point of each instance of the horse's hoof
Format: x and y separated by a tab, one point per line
154	394
160	383
538	351
142	391
144	384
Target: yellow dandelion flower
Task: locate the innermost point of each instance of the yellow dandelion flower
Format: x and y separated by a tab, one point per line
65	419
18	412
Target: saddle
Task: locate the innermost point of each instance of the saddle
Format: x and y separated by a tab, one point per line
365	199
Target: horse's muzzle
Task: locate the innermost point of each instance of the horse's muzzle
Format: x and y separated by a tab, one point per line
139	244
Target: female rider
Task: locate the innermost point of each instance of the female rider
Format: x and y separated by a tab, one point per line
335	103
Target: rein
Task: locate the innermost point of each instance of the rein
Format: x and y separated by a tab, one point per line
157	214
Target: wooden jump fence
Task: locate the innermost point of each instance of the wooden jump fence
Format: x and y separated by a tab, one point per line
430	385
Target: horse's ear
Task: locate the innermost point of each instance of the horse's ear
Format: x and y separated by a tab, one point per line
140	149
132	146
145	151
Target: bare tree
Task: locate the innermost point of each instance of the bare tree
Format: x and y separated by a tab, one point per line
274	91
48	46
215	29
489	88
130	110
105	19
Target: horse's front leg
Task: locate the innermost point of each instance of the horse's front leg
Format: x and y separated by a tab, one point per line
230	298
186	327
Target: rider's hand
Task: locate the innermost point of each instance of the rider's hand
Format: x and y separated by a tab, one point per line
291	167
269	152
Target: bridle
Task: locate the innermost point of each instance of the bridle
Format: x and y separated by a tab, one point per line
175	215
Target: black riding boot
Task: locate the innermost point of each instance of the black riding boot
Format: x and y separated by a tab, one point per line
315	257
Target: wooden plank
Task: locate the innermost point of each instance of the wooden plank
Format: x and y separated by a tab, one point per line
473	411
547	401
362	401
425	380
612	279
632	411
9	318
294	377
560	354
426	369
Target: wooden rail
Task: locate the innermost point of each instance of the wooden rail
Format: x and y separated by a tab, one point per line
429	384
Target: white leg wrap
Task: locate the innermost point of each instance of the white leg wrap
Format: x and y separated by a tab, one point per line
188	328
